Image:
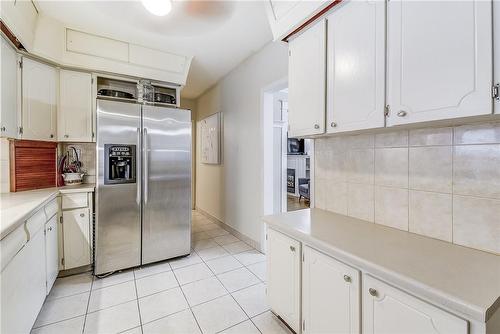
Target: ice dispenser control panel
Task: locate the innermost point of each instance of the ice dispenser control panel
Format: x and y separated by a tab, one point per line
120	164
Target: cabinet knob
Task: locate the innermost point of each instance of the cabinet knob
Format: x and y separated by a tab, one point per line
4	128
373	292
66	136
50	228
347	278
82	215
333	124
51	136
292	248
316	126
402	113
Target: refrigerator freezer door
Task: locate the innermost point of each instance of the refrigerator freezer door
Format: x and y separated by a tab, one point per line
166	217
118	205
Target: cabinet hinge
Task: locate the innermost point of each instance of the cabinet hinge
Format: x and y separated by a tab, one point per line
289	53
21	130
387	110
303	257
61	219
62	261
92	80
266	236
303	325
21	63
495	92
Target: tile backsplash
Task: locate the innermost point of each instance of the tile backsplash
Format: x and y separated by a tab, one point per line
439	182
87	157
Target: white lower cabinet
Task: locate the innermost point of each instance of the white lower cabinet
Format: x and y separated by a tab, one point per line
283	281
330	295
389	310
76	235
51	252
23	286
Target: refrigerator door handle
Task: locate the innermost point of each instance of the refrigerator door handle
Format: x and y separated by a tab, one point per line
146	163
138	169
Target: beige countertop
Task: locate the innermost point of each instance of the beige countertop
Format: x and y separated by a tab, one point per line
458	278
16	207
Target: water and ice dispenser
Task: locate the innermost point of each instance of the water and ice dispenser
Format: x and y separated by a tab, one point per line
120	164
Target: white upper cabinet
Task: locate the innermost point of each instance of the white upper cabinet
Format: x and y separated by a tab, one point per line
389	310
39	100
356	66
439	60
330	295
283	281
306	82
21	18
8	114
286	16
74	115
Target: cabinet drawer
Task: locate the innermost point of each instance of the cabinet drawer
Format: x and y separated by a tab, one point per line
389	310
51	209
11	245
73	201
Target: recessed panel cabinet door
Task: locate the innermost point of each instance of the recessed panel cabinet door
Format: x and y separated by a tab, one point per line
306	82
356	66
74	117
76	228
51	252
439	60
8	113
330	295
387	310
283	281
39	101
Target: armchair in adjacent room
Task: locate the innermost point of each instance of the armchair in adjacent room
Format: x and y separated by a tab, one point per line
304	188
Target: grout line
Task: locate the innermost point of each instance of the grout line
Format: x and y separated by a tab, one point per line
59	321
137	300
88	304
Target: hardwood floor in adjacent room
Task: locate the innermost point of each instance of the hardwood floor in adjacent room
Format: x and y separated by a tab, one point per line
294	204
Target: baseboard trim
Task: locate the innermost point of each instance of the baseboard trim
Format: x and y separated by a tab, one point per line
231	230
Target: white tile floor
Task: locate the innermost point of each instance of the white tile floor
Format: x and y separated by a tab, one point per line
219	288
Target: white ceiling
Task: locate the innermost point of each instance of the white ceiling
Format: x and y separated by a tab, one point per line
218	34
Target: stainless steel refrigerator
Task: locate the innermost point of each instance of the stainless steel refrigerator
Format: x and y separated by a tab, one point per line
143	190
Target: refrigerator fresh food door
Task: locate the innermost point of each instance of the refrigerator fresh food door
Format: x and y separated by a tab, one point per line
118	189
166	216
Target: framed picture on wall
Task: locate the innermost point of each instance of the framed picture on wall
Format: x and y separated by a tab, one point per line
211	139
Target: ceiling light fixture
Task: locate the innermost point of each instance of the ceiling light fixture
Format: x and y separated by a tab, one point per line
158	7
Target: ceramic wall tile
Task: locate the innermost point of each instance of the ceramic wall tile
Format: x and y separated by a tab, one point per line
476	170
361	201
391	167
431	168
485	133
336	197
392	139
321	163
360	141
361	166
431	214
320	193
337	168
476	223
391	207
431	137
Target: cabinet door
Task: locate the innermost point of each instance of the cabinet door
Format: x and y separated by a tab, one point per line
74	116
51	252
8	113
23	287
283	282
39	101
330	295
76	228
439	60
389	310
306	82
356	66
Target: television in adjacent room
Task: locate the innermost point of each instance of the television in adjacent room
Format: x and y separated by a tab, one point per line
295	146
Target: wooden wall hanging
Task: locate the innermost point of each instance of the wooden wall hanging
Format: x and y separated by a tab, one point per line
32	165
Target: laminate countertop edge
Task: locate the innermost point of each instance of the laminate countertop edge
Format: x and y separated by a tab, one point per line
463	280
17	207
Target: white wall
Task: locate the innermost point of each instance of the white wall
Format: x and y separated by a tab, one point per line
233	191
